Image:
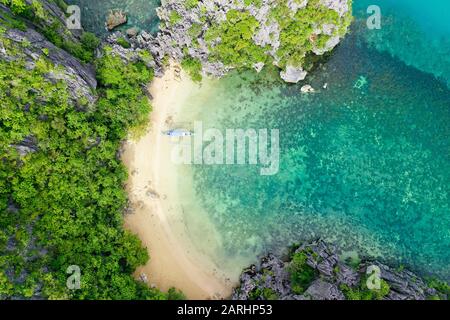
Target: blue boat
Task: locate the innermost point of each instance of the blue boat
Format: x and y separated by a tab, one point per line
178	133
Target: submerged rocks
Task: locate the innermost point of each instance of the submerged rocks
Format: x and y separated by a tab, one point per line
115	18
307	89
325	277
132	32
293	74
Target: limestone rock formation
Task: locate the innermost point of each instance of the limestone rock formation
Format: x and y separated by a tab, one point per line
115	18
272	278
185	32
80	78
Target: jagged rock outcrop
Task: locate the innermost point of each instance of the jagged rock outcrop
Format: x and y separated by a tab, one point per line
55	17
293	74
184	28
80	78
323	290
115	18
404	285
273	277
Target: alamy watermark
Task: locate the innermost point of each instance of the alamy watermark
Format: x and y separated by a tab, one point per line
73	22
373	281
231	146
74	280
374	20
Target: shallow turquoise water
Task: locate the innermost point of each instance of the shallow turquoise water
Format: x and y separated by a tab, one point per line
413	31
367	169
432	16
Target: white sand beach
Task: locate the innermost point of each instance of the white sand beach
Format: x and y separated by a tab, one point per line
158	218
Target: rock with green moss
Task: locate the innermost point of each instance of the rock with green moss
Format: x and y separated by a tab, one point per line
235	34
315	271
47	18
80	78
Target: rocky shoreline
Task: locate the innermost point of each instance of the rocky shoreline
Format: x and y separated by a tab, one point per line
325	277
190	31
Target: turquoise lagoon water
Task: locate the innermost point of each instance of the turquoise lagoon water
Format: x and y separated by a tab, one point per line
414	31
368	169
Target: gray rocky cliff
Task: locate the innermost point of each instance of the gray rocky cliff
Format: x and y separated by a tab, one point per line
176	40
272	278
79	77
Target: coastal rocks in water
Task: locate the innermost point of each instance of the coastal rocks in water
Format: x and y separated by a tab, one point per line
115	18
307	89
404	285
272	276
329	45
323	276
132	32
293	74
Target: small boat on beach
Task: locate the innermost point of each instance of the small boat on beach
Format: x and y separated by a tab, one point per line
178	133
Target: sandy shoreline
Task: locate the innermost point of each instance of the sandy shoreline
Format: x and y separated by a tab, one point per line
157	219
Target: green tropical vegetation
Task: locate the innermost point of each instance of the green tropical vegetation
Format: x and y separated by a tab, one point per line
265	293
51	28
193	67
364	293
440	287
236	48
231	41
62	203
302	275
298	36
